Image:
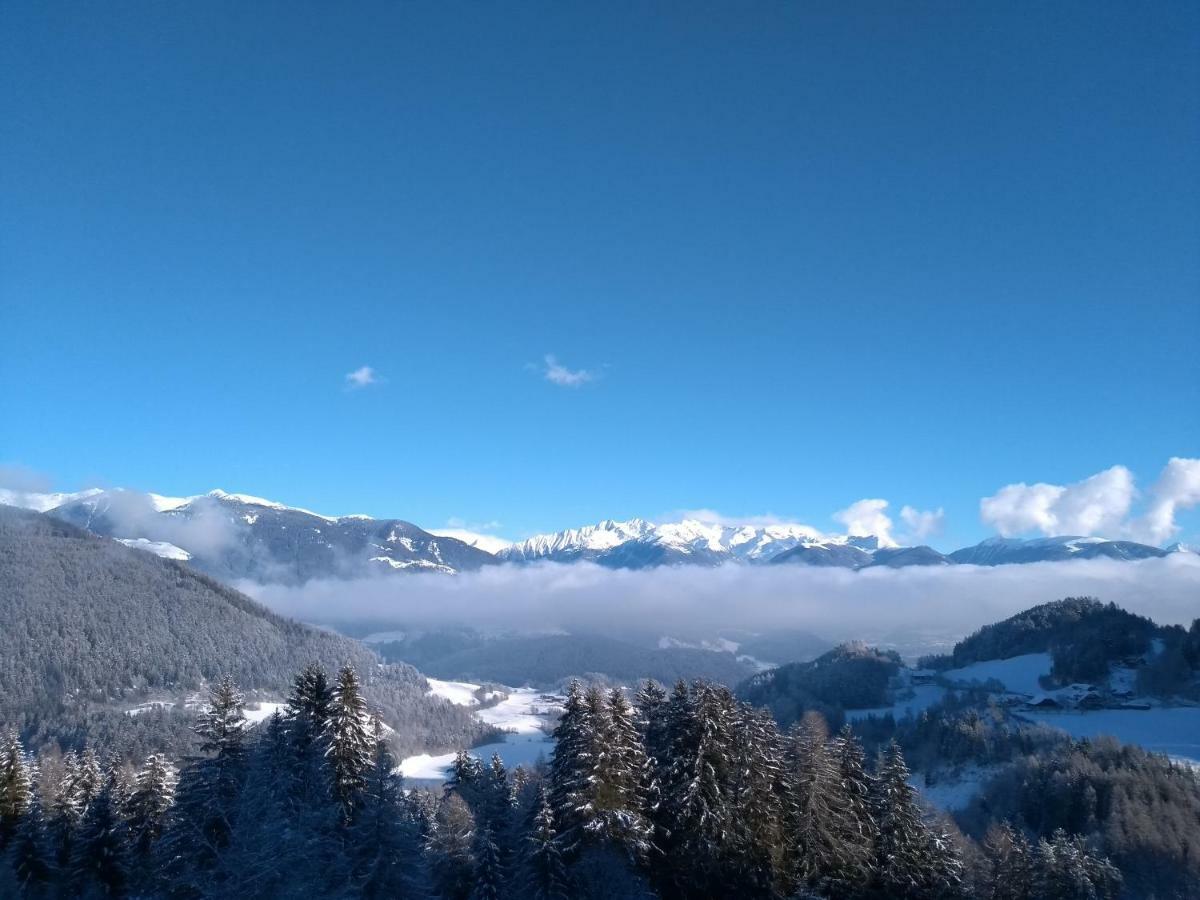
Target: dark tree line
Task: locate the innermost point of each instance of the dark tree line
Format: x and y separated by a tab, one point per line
686	795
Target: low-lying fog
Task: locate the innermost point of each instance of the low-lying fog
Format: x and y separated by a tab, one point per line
694	602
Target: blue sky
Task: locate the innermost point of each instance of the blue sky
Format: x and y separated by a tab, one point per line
804	255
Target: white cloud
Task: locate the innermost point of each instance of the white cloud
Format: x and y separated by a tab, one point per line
362	377
1177	488
1100	505
556	373
1096	505
923	524
868	517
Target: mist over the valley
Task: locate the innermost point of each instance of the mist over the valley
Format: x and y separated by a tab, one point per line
699	603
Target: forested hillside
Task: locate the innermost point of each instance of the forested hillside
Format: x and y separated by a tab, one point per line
687	795
852	676
91	627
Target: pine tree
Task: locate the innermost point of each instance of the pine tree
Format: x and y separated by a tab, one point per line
698	806
98	861
308	710
858	831
902	839
759	786
65	811
489	872
194	842
450	848
349	745
1009	874
383	840
545	872
148	806
619	775
815	807
89	778
16	788
467	779
30	853
221	724
571	766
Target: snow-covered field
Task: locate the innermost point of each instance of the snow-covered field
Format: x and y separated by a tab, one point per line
523	714
1174	730
1019	674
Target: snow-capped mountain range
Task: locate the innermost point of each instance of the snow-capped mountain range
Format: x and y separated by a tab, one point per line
237	537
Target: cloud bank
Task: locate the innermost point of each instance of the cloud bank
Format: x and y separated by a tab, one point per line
692	601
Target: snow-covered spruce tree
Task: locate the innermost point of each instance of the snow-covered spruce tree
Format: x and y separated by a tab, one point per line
759	786
308	709
89	778
29	852
203	819
827	858
621	772
349	744
911	860
1009	861
382	839
1065	868
450	849
222	723
489	870
468	780
99	866
544	872
64	811
698	809
859	830
147	808
258	862
571	766
16	787
902	838
650	715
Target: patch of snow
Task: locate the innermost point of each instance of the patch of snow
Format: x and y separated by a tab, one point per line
413	564
262	711
953	791
460	693
158	548
924	696
40	502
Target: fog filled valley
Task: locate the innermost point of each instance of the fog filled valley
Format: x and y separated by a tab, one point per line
572	729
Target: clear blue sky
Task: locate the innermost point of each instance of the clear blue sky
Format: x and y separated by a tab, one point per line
810	254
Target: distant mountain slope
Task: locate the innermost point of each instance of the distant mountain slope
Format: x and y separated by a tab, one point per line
89	625
1002	551
235	536
545	660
